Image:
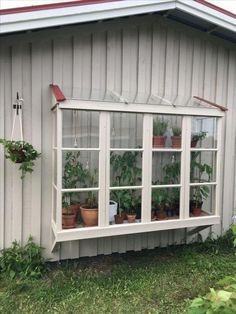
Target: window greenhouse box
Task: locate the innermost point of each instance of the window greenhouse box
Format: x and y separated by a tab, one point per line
132	168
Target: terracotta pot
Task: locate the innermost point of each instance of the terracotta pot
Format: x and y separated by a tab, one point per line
89	216
153	214
119	219
68	221
176	141
197	211
158	141
194	143
161	214
131	218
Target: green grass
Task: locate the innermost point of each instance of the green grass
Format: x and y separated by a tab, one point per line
157	281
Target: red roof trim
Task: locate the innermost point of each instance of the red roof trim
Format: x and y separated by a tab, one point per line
215	7
211	103
57	92
49	6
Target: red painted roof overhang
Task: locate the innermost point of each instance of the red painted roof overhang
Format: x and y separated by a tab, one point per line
51	6
86	2
216	8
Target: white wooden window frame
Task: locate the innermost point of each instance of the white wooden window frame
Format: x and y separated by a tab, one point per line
146	225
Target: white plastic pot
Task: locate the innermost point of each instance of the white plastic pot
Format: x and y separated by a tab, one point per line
112	211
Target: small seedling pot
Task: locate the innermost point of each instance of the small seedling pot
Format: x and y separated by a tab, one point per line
159	141
176	141
119	219
131	218
68	221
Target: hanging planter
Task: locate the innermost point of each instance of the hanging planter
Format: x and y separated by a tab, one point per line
20	152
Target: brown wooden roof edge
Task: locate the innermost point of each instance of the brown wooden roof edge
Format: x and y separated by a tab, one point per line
211	103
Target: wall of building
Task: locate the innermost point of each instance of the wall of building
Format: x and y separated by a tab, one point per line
134	57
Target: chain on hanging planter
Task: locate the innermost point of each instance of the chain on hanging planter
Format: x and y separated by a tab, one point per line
20	152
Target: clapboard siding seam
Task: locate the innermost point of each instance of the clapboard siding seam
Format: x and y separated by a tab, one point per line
229	177
27	127
17	184
36	139
2	134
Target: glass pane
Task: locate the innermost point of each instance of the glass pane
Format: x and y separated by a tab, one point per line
125	168
202	200
167	131
203	167
80	129
204	132
79	209
126	130
165	203
80	169
128	206
165	168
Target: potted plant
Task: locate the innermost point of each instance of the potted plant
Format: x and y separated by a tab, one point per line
73	177
175	201
159	129
132	203
198	136
125	172
176	137
20	152
159	202
199	194
89	210
118	196
197	171
68	214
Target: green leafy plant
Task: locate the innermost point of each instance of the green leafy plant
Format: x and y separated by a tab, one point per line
176	131
217	301
197	171
160	198
198	136
233	229
159	127
126	172
24	262
91	181
74	176
20	152
172	173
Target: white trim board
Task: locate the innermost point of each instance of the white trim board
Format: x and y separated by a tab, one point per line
115	230
16	22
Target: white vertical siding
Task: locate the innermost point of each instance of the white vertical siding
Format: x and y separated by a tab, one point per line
133	57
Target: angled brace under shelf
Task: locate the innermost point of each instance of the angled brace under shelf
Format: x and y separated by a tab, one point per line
198	229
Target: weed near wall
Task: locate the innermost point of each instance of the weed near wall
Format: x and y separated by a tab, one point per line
22	261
